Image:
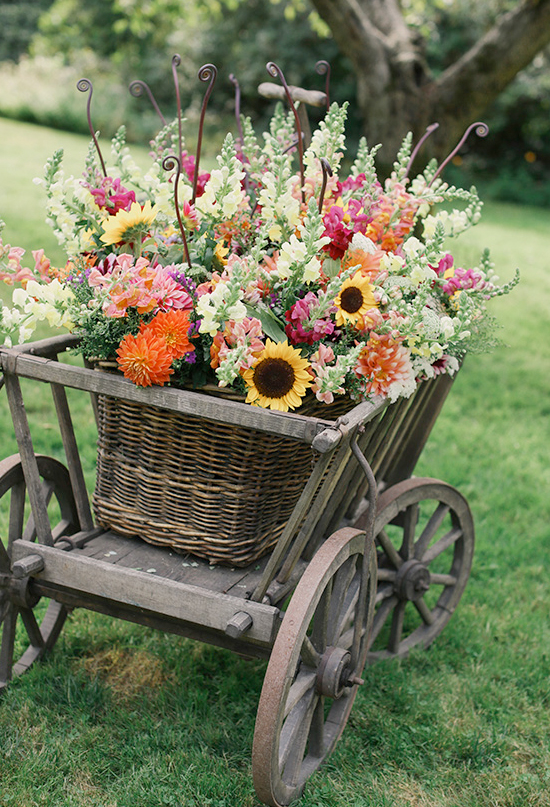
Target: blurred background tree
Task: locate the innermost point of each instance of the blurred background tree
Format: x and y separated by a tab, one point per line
422	61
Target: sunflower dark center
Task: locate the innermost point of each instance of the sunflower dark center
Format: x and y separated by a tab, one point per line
351	299
274	378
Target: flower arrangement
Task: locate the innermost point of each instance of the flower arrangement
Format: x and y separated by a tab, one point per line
281	271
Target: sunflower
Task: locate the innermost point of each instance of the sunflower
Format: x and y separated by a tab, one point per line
279	378
129	225
354	300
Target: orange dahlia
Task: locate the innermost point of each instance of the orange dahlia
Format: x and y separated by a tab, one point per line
383	362
172	328
144	359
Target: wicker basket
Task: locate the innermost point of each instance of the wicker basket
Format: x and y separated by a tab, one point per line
219	492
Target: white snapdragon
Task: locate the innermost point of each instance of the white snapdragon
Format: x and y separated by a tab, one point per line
292	252
46	301
454	223
280	209
363	243
447	327
392	264
223	194
422	273
219	305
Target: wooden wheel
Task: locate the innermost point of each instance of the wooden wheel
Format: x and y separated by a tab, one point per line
425	543
314	668
29	625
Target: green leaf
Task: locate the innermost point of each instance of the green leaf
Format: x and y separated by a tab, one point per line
271	325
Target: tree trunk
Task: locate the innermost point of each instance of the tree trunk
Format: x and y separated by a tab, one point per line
396	92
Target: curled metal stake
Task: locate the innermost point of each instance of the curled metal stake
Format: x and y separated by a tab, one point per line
327	172
176	61
137	88
275	71
235	83
429	129
322	68
168	164
482	130
208	72
85	85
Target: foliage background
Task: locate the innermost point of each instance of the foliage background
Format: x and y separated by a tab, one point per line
45	47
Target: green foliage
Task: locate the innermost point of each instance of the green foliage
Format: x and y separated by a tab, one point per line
18	25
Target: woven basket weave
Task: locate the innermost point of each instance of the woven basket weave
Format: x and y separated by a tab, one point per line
220	492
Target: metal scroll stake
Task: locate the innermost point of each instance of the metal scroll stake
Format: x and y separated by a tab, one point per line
85	85
208	72
275	71
482	130
169	163
137	88
322	68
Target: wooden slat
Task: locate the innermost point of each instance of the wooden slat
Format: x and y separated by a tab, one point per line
137	589
297	427
73	457
28	460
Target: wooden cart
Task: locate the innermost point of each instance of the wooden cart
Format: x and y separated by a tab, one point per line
356	564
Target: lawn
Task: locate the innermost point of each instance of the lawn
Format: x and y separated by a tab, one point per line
122	716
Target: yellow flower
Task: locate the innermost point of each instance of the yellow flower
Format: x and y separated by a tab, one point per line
354	300
279	378
220	252
129	225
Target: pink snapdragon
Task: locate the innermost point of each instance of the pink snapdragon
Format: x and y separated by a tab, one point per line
465	279
301	328
341	222
328	380
112	196
188	165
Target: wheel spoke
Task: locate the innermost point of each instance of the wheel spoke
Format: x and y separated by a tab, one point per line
440	546
47	490
382	593
386	575
320	620
424	612
397	626
32	627
410	521
391	552
17	512
341	596
8	641
443	580
309	654
294	736
305	680
316	745
347	617
381	615
4	559
431	528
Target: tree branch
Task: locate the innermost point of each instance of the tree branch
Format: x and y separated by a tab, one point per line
477	78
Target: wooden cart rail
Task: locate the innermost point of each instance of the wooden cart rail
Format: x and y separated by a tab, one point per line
323	435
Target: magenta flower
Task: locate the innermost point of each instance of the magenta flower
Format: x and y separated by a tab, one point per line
300	329
464	279
112	196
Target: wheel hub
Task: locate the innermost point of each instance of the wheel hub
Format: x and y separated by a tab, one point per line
333	672
412	580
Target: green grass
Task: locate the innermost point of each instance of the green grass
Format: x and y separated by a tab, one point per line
122	716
